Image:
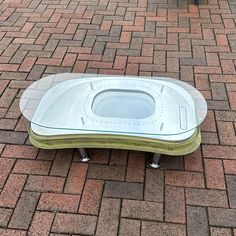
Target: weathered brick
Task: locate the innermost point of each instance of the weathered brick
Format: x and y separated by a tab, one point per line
91	197
74	224
108	217
220	231
118	157
59	202
24	210
12	232
123	190
142	210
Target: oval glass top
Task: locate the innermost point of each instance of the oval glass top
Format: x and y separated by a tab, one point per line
114	104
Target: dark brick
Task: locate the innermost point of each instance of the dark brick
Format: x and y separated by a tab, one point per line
165	229
5	215
74	224
231	186
222	217
142	210
206	197
106	172
108	217
174	204
123	190
154	185
24	210
197	223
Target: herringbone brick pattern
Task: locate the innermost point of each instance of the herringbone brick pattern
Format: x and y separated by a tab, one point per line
50	192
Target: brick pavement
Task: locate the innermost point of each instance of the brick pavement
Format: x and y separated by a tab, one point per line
50	192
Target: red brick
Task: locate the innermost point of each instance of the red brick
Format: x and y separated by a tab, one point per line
44	183
9	67
120	62
59	202
27	64
41	224
230	166
32	167
106	25
76	178
185	179
232	100
12	190
125	37
5	170
193	161
214	174
91	197
69	59
209	123
228	67
221	152
135	168
74	224
207	69
174	204
80	66
99	156
226	133
118	157
221	40
49	61
17	151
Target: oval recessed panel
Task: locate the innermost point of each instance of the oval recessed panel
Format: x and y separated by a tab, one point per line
129	104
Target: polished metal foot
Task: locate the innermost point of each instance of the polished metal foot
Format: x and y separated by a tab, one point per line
155	163
84	157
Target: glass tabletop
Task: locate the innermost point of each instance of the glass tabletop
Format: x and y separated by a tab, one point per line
113	104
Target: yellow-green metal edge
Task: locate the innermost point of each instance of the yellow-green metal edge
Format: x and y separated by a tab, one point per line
117	142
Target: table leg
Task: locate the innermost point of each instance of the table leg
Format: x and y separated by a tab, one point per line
84	157
155	163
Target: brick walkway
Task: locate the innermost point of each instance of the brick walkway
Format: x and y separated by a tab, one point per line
50	191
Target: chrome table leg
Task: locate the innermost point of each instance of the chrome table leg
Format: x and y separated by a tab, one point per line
84	157
155	163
